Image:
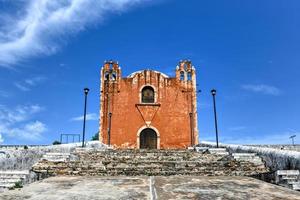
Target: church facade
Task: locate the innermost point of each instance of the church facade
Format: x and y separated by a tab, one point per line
148	109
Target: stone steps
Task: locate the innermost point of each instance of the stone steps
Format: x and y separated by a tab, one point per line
56	157
145	159
8	179
6	185
288	178
136	156
249	157
148	162
218	151
296	185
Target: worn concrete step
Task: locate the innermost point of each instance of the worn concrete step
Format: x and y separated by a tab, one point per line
157	163
244	154
254	161
137	159
10	180
14	172
249	157
187	156
217	149
143	153
143	159
201	149
296	185
287	172
87	149
57	154
220	153
5	176
7	185
56	157
162	172
289	177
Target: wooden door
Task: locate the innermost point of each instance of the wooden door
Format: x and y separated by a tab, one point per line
148	139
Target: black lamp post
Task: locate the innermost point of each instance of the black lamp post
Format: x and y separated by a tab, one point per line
214	92
86	91
292	138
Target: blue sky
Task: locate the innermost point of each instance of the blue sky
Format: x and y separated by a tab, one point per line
247	50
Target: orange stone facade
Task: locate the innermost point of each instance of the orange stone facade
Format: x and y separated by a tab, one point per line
148	109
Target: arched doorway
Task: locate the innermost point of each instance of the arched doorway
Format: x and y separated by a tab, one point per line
148	139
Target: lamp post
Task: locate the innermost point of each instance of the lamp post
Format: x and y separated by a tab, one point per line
214	92
292	138
86	91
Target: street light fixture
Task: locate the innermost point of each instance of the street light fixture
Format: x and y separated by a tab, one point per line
214	92
292	138
86	91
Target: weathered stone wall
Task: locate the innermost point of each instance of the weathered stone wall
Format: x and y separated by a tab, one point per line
275	159
168	116
289	147
19	158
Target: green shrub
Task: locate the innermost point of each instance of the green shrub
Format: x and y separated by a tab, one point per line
18	184
95	137
56	142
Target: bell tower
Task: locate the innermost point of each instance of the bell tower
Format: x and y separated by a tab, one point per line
186	78
110	86
185	72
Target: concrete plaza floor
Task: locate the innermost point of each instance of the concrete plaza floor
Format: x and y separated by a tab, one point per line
172	187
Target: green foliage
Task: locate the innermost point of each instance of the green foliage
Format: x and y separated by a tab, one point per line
56	142
25	147
95	137
18	184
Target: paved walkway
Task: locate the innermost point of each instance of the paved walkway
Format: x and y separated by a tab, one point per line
173	187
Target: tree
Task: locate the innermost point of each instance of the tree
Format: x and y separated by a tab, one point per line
56	142
95	137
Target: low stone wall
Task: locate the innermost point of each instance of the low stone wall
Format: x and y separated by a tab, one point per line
22	158
275	159
290	147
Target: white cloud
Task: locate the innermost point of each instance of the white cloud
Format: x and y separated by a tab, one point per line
90	116
27	84
34	81
40	27
22	87
261	88
19	114
16	123
30	131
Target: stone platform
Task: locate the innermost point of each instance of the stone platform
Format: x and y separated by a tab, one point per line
171	187
148	163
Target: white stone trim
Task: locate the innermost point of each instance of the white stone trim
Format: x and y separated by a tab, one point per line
141	71
155	93
139	133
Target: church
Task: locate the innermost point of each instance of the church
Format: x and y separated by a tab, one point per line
148	109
